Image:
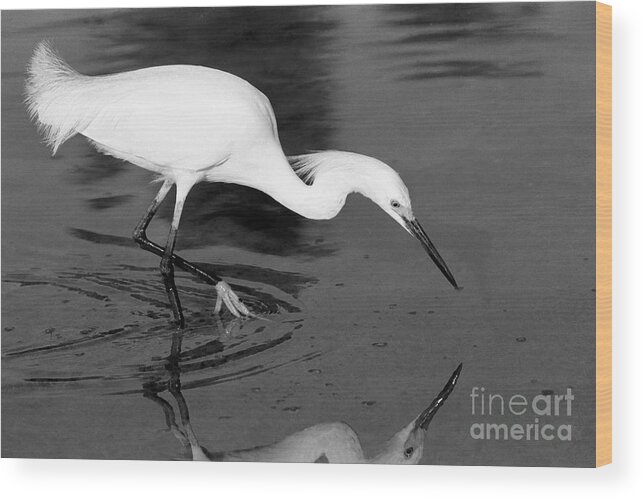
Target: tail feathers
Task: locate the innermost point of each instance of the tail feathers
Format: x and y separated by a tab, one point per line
54	96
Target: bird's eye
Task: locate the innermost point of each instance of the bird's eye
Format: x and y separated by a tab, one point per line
395	204
408	452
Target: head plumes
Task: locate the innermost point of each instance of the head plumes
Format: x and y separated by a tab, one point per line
356	173
332	175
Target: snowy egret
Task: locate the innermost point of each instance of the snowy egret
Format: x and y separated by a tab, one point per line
190	124
322	443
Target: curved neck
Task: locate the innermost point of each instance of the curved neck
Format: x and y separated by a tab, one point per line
325	442
320	201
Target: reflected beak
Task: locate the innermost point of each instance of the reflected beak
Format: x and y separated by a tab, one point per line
415	229
423	420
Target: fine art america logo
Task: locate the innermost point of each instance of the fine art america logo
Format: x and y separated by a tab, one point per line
541	417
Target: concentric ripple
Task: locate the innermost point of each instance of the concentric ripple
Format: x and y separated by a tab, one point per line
77	346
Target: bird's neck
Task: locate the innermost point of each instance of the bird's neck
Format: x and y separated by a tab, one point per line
320	201
325	442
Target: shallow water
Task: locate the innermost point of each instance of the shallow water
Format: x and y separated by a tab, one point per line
487	113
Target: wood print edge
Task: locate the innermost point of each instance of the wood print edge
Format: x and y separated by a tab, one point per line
603	234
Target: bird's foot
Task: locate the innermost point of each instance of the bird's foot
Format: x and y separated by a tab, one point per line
227	297
228	329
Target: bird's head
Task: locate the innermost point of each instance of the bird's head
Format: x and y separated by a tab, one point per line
380	183
338	173
407	445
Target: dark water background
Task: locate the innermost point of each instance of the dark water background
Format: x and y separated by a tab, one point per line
487	112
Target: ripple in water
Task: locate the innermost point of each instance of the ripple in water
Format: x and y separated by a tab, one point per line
211	350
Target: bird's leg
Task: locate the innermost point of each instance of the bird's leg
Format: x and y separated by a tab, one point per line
139	231
174	387
170	418
151	390
167	264
225	295
140	237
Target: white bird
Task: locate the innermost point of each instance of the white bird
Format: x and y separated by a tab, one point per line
189	124
321	443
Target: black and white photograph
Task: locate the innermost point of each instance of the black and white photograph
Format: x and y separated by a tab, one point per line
306	234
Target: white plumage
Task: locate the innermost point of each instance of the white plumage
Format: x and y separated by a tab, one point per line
192	123
322	443
161	118
57	97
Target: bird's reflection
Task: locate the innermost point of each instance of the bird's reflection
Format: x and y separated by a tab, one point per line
321	443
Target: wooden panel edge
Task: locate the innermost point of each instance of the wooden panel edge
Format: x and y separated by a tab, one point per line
603	234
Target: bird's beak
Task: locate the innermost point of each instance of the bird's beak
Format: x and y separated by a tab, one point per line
416	230
423	420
